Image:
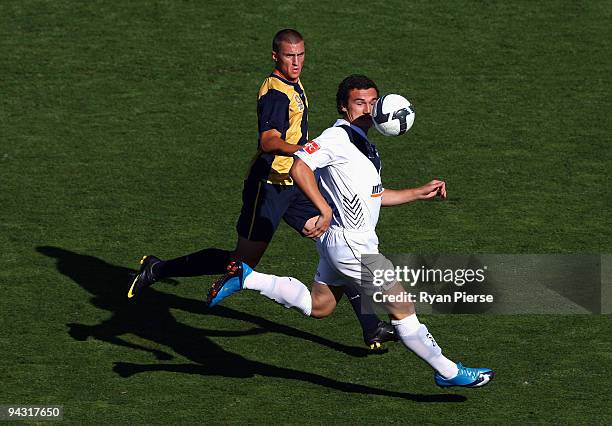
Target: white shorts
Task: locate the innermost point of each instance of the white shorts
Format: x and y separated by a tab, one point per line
343	260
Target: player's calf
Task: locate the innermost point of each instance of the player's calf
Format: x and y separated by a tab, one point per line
324	299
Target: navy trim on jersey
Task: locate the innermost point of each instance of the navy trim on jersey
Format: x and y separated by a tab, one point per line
273	112
360	131
304	124
359	138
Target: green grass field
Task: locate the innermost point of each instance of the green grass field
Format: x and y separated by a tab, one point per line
127	127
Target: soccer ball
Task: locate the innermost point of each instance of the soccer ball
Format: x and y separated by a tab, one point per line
393	115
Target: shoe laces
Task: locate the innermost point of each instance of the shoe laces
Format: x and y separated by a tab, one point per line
469	372
232	268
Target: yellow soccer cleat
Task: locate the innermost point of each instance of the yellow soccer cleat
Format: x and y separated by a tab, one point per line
145	277
384	332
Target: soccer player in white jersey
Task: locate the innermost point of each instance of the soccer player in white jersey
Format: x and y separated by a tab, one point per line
349	168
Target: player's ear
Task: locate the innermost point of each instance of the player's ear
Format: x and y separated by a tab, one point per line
274	56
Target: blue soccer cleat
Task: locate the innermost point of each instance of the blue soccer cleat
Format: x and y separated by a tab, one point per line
467	377
229	283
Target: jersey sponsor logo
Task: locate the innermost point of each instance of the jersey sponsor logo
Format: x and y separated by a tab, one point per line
377	190
299	102
311	147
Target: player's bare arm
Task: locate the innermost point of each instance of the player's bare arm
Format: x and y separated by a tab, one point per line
395	197
304	177
272	143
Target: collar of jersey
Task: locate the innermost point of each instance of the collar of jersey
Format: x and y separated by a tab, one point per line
342	121
296	84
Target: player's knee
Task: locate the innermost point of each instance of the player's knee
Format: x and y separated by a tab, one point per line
322	307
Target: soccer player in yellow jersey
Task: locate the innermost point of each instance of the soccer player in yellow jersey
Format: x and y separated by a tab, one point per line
269	193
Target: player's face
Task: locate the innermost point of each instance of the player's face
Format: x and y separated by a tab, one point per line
360	105
289	60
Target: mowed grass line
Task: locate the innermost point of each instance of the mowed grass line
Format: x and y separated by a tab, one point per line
127	129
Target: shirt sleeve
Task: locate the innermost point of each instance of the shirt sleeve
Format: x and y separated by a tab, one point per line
324	150
273	111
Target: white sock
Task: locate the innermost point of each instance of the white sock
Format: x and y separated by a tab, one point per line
287	291
415	337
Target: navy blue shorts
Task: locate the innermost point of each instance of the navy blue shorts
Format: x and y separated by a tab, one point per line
263	206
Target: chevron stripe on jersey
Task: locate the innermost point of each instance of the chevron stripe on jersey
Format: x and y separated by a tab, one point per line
353	212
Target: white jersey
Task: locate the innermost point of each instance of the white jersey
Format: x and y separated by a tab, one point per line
347	176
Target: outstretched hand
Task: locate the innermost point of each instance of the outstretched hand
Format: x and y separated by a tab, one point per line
431	189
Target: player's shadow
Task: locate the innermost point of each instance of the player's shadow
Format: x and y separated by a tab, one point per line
151	320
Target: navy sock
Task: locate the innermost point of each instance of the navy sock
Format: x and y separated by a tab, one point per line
210	261
368	320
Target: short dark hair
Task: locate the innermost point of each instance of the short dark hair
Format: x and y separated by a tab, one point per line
355	81
287	35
